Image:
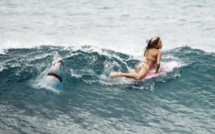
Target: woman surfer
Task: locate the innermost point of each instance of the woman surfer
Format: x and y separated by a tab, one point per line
153	56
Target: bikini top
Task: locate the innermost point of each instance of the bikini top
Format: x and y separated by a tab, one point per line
149	57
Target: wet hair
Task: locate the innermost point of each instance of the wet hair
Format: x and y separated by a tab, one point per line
151	43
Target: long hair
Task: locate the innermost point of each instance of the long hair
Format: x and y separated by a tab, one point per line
151	43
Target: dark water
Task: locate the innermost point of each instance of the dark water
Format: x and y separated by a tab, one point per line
183	101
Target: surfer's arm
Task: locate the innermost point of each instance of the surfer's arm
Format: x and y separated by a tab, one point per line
157	68
158	61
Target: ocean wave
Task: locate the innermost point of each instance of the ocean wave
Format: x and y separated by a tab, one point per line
89	96
93	65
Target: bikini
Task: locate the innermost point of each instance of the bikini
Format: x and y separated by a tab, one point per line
144	64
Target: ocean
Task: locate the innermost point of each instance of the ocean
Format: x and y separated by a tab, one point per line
95	38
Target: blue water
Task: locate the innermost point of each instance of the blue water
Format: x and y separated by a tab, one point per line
95	38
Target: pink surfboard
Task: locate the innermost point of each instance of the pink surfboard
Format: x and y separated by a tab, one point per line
164	69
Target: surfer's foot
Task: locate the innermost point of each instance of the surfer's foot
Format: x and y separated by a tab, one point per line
115	74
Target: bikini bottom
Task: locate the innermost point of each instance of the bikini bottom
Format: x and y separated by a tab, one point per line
144	65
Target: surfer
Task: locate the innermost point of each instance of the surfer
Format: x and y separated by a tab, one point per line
153	56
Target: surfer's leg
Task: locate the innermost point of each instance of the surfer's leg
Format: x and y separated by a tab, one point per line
138	68
142	73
